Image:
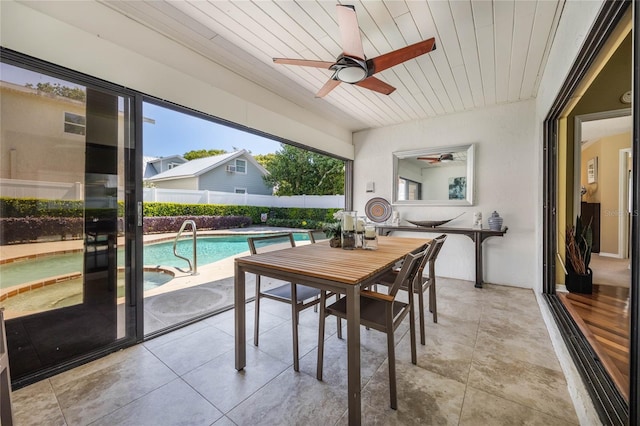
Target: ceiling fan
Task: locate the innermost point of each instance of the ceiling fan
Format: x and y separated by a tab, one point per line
442	158
352	66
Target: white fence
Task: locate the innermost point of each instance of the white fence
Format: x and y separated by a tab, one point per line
227	198
16	188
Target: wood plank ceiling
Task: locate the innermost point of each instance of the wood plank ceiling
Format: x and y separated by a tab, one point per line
488	52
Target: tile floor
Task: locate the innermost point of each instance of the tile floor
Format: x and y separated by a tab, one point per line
488	361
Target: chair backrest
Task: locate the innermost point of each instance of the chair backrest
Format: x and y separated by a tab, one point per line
256	244
438	243
312	238
407	274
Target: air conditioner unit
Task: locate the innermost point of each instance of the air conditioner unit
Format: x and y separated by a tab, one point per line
231	168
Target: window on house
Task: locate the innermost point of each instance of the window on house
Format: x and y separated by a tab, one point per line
241	166
241	190
74	123
172	165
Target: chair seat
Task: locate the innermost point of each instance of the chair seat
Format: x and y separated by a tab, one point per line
284	292
371	310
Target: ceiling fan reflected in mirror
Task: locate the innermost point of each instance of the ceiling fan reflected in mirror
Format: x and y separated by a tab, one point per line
352	66
442	158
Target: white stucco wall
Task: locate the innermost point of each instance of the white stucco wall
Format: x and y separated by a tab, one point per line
505	180
91	38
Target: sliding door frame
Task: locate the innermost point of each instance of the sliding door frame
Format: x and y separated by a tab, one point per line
610	405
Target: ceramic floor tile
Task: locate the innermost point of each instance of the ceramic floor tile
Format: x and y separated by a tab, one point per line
424	398
534	386
36	402
224	421
106	363
481	365
94	395
278	342
481	408
225	387
440	356
524	347
193	350
292	398
174	335
189	408
335	362
267	322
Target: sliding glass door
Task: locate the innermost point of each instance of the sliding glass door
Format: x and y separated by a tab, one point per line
65	265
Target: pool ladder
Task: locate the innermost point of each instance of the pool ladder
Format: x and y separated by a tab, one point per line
192	268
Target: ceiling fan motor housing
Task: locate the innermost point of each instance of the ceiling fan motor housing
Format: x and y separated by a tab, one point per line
350	70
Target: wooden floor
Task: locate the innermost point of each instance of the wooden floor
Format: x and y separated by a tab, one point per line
603	317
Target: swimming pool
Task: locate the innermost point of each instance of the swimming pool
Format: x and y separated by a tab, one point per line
210	249
70	292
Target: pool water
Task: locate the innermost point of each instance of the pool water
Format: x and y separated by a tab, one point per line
69	293
209	249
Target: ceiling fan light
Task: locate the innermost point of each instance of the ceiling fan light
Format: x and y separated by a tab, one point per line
445	158
351	74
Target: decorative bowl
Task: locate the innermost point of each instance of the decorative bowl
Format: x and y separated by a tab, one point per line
432	223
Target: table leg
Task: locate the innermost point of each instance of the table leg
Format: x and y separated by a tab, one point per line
479	276
353	354
240	314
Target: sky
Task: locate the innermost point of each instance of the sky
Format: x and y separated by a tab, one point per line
173	132
177	133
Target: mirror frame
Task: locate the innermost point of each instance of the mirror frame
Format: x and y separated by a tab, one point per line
468	201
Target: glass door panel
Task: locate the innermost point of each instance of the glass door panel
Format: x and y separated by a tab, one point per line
62	174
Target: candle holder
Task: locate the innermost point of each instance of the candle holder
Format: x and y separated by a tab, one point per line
370	238
349	230
360	224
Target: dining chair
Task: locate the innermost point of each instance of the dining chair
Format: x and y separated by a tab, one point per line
299	296
423	282
380	312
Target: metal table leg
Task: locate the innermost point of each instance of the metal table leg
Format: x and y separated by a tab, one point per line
353	354
240	317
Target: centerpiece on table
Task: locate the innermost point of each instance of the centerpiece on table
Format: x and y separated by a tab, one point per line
333	230
579	240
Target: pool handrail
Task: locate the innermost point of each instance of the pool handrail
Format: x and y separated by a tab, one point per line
192	268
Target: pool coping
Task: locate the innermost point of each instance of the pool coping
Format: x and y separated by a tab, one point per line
34	285
67	246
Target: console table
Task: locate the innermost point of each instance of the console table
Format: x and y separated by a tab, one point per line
477	235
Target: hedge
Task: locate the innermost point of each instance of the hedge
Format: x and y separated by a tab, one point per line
31	207
27	220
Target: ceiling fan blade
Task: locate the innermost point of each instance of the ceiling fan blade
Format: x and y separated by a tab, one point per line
388	60
349	31
303	62
376	85
328	86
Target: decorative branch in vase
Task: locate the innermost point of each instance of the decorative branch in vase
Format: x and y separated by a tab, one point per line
579	240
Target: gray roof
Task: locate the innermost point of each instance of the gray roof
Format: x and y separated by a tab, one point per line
199	166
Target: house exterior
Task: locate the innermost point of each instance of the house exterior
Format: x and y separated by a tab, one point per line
236	172
152	166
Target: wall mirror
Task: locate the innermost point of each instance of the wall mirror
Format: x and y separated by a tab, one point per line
441	176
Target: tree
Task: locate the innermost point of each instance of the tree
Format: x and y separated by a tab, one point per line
264	159
202	153
295	171
59	90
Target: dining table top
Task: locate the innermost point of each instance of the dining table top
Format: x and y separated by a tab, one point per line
324	262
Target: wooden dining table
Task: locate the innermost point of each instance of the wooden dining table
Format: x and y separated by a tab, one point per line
327	268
